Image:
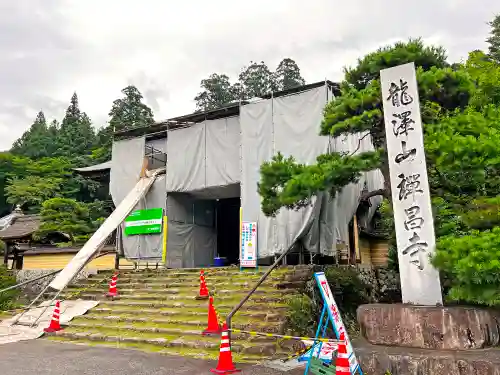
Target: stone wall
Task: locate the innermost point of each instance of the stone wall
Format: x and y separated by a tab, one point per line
33	289
384	281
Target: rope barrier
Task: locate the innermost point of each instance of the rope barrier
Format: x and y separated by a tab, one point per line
297	353
286	337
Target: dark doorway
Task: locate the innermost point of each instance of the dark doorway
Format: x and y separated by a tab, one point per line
228	229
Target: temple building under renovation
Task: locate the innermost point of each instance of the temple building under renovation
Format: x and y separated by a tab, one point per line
212	162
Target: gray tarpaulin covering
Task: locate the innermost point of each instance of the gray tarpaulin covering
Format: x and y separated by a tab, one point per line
206	155
289	124
150	246
126	164
209	160
192	237
346	203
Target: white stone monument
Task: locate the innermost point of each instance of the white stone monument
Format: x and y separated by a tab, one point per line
416	241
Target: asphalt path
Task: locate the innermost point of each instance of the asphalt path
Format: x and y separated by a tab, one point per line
43	357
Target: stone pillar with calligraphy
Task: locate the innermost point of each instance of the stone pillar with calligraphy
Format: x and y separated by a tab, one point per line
416	241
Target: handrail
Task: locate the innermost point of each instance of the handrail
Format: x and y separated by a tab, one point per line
43	276
262	279
30	281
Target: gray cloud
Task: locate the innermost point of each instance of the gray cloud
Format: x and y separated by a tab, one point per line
50	48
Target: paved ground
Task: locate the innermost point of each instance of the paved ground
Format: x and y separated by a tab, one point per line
48	358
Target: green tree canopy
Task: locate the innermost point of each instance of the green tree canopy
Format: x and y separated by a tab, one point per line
37	142
255	80
76	135
494	39
128	112
65	216
287	75
285	183
460	112
216	91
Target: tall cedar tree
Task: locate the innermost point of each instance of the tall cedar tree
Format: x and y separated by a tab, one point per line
287	75
216	92
255	80
127	112
76	135
37	142
494	39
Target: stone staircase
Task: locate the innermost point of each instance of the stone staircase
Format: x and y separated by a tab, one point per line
157	311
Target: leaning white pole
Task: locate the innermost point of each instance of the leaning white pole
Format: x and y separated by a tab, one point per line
411	200
95	242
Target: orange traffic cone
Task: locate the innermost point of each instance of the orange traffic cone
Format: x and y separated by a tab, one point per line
213	324
113	292
54	323
225	365
342	362
203	287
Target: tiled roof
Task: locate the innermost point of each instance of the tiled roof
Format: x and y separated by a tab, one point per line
21	227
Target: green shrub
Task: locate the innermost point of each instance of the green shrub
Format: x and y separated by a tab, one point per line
350	292
301	318
8	298
471	263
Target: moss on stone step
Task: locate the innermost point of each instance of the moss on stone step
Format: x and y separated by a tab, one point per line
180	351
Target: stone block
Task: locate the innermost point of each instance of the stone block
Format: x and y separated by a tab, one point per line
429	327
377	360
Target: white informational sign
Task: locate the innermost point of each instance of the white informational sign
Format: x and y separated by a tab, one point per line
248	251
411	200
335	318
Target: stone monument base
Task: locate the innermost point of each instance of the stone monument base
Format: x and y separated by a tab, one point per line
421	340
377	360
427	327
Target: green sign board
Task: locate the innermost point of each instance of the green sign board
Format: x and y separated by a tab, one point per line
144	222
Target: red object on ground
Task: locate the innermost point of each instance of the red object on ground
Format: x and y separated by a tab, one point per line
342	362
225	365
54	323
213	323
113	291
203	287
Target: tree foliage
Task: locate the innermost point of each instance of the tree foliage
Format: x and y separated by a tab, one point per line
39	167
255	80
76	135
441	89
66	216
287	75
217	91
38	141
460	111
130	111
494	39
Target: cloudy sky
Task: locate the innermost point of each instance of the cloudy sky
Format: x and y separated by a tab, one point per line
51	48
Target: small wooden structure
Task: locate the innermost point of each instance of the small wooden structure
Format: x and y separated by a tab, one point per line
18	235
24	251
